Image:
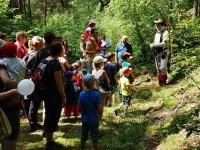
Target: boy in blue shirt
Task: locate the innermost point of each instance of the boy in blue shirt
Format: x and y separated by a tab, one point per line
90	102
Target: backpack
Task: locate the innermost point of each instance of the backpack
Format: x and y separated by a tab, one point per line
38	77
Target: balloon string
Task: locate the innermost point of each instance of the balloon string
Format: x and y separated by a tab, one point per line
25	97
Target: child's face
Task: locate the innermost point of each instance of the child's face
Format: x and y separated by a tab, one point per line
73	78
112	59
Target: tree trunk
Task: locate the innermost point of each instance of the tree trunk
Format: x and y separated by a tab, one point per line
196	8
45	11
29	9
62	4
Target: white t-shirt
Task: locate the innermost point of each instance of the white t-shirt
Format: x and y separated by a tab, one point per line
158	35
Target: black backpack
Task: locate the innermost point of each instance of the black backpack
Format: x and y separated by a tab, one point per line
38	77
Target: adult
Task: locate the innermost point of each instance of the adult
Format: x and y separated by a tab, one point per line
35	44
129	48
105	44
160	46
92	49
49	39
21	39
34	103
121	48
4	37
10	107
54	92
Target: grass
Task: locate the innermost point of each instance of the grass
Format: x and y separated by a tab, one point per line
146	127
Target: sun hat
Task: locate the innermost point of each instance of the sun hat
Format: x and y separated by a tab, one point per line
92	21
160	21
87	79
99	59
9	50
127	55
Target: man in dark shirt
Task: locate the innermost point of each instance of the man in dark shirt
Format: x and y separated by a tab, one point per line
129	48
32	65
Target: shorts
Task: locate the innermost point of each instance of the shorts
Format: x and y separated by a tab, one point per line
94	128
14	119
113	88
126	100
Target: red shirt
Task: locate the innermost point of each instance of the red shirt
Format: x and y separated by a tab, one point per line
21	51
79	79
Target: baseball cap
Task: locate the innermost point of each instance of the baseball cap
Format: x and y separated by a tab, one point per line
99	59
9	50
87	79
125	70
92	21
69	74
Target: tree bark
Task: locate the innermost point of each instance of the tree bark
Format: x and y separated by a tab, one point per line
29	9
45	11
196	8
62	4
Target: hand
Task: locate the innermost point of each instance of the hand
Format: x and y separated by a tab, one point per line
64	102
14	92
151	45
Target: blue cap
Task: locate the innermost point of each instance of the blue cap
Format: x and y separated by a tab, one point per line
87	79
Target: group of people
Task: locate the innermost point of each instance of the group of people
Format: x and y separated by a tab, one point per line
85	86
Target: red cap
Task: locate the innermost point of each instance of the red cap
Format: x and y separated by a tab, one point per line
9	50
125	70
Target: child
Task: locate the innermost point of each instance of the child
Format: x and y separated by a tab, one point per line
91	107
126	90
126	63
102	77
71	90
79	77
111	70
84	69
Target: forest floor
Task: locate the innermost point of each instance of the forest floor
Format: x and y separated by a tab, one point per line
154	122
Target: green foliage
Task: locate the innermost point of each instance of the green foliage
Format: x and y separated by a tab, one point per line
188	121
186	49
168	103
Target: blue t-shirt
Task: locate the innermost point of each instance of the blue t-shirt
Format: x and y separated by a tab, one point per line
89	100
120	49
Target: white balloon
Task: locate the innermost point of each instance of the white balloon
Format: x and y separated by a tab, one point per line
25	87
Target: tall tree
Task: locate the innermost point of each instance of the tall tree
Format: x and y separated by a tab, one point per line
29	9
45	11
196	7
